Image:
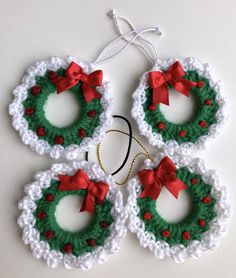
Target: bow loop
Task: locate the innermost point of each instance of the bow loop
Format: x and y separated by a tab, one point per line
74	71
73	75
95	190
95	78
158	82
163	175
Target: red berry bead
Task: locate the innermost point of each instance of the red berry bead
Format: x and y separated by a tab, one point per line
147	216
40	131
52	74
186	235
82	133
91	242
194	181
103	224
41	215
161	125
49	235
206	200
152	107
166	233
92	113
59	140
67	248
182	133
208	102
29	111
49	197
36	90
201	222
200	84
202	124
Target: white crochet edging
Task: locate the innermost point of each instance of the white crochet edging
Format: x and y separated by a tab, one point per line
156	139
29	137
217	227
40	248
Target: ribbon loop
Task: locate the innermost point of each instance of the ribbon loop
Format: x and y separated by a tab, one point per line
173	77
163	175
95	190
73	75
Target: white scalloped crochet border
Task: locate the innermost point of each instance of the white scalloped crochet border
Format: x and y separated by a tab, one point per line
156	139
40	248
30	138
217	227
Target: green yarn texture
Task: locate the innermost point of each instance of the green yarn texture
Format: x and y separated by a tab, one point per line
69	133
61	237
199	210
192	128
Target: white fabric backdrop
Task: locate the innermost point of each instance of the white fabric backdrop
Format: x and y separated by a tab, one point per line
32	30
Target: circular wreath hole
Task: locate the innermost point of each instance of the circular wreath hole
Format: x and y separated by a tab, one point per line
68	215
181	109
173	210
62	110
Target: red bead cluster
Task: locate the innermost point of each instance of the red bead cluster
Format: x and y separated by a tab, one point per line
200	84
201	223
194	181
91	242
206	200
103	224
186	235
40	131
36	90
147	216
49	235
59	140
68	248
182	133
92	113
29	111
166	233
208	102
161	125
202	124
49	197
41	215
82	133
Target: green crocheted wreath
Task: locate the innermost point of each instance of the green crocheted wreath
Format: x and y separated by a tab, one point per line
75	243
190	131
35	115
190	228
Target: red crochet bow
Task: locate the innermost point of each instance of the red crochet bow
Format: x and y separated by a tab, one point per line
173	76
163	175
81	180
73	75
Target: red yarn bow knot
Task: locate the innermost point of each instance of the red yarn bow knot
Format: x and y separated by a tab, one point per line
73	75
163	175
173	76
95	190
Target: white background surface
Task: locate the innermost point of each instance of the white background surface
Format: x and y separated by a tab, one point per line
32	30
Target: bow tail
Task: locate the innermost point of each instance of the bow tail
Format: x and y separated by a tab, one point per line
175	186
183	86
90	93
151	190
160	95
88	203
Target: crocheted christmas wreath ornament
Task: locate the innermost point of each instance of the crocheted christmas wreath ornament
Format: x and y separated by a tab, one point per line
195	78
200	230
73	249
28	116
